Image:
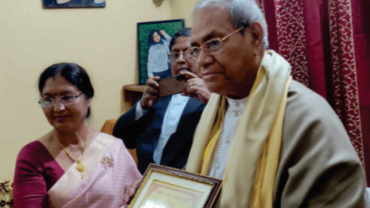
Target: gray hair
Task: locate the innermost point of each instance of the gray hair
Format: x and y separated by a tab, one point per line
243	13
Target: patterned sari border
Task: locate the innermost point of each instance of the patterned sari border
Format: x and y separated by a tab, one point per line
71	180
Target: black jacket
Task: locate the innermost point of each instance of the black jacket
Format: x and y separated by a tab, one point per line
144	133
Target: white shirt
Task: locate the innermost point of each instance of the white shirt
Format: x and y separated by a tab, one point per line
170	122
230	124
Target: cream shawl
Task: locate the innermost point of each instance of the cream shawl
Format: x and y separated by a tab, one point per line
259	130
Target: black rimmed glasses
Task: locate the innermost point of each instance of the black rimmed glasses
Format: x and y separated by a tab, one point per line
209	47
64	100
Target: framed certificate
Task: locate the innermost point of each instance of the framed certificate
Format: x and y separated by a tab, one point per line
165	187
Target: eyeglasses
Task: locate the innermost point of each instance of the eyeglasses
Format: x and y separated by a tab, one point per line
64	99
209	47
175	56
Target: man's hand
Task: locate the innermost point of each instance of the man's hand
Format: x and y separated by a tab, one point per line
151	93
195	87
130	191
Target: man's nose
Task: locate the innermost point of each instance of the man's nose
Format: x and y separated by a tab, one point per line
203	59
181	57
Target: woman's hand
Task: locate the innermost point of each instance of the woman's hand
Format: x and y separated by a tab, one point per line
195	87
162	32
151	93
130	191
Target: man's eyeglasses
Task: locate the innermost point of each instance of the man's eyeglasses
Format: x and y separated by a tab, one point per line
210	46
176	55
64	100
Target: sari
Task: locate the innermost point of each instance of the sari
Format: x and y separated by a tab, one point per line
109	170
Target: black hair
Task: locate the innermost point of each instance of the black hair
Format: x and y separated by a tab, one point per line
151	40
72	72
184	32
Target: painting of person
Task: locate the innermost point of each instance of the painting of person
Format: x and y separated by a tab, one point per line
74	3
158	50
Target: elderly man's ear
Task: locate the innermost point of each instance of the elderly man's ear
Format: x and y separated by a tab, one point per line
256	32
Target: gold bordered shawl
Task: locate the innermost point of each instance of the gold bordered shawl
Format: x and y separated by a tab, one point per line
250	172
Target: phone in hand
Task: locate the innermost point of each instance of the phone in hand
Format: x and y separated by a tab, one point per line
172	85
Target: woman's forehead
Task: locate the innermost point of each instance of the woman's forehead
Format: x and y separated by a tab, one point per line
58	85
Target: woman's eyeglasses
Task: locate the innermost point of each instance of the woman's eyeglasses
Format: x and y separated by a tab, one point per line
64	100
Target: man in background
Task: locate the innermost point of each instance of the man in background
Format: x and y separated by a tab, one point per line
162	128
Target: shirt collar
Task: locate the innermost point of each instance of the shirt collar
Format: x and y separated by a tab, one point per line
237	104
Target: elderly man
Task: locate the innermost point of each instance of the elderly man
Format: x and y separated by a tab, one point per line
162	129
274	142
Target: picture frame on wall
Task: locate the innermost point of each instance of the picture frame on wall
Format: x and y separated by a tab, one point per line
153	47
74	3
164	186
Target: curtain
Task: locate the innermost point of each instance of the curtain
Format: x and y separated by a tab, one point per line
327	42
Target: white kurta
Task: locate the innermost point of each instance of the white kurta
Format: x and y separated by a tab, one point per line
230	124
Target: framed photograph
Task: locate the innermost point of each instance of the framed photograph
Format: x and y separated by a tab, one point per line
154	46
173	188
73	3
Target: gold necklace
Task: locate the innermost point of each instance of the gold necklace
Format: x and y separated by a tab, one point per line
80	167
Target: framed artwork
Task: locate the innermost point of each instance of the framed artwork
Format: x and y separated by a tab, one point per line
173	188
154	46
73	3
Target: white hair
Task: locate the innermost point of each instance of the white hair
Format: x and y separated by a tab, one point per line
242	12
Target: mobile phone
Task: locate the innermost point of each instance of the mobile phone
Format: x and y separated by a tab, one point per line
172	85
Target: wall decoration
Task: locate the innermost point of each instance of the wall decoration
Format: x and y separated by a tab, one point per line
153	47
73	3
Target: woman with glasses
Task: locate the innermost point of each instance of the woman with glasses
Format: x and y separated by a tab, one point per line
158	50
72	165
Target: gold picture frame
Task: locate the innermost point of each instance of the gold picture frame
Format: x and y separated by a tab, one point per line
173	188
